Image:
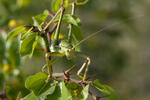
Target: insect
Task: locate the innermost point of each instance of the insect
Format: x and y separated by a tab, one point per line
60	48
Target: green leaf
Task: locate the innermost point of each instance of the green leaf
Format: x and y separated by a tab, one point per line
56	95
55	5
30	96
34	45
66	95
39	19
77	33
82	2
85	92
49	91
26	33
27	44
15	32
13	53
2	50
69	19
36	83
61	93
106	90
75	89
66	3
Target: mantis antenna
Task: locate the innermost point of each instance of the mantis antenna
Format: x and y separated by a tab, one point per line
101	30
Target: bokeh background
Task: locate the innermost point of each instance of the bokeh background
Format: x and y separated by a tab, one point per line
120	53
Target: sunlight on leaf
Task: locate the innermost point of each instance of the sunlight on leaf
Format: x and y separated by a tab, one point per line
15	32
27	44
106	90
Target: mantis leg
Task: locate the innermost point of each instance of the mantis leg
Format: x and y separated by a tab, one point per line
87	62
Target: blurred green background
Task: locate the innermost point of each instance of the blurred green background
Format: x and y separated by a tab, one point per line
120	53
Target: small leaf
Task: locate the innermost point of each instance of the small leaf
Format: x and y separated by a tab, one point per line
34	45
66	3
15	32
75	89
106	90
36	82
49	91
82	2
66	95
85	92
30	96
26	33
27	44
56	95
55	5
39	19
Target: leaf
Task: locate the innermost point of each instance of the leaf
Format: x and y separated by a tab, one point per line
66	95
2	50
85	92
75	89
34	45
76	33
106	90
49	91
36	82
26	33
56	95
55	5
82	2
66	3
30	96
15	32
61	93
39	19
27	44
69	19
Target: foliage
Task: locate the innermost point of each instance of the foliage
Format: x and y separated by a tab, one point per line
45	85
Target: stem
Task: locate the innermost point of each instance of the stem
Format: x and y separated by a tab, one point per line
47	57
58	27
70	25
